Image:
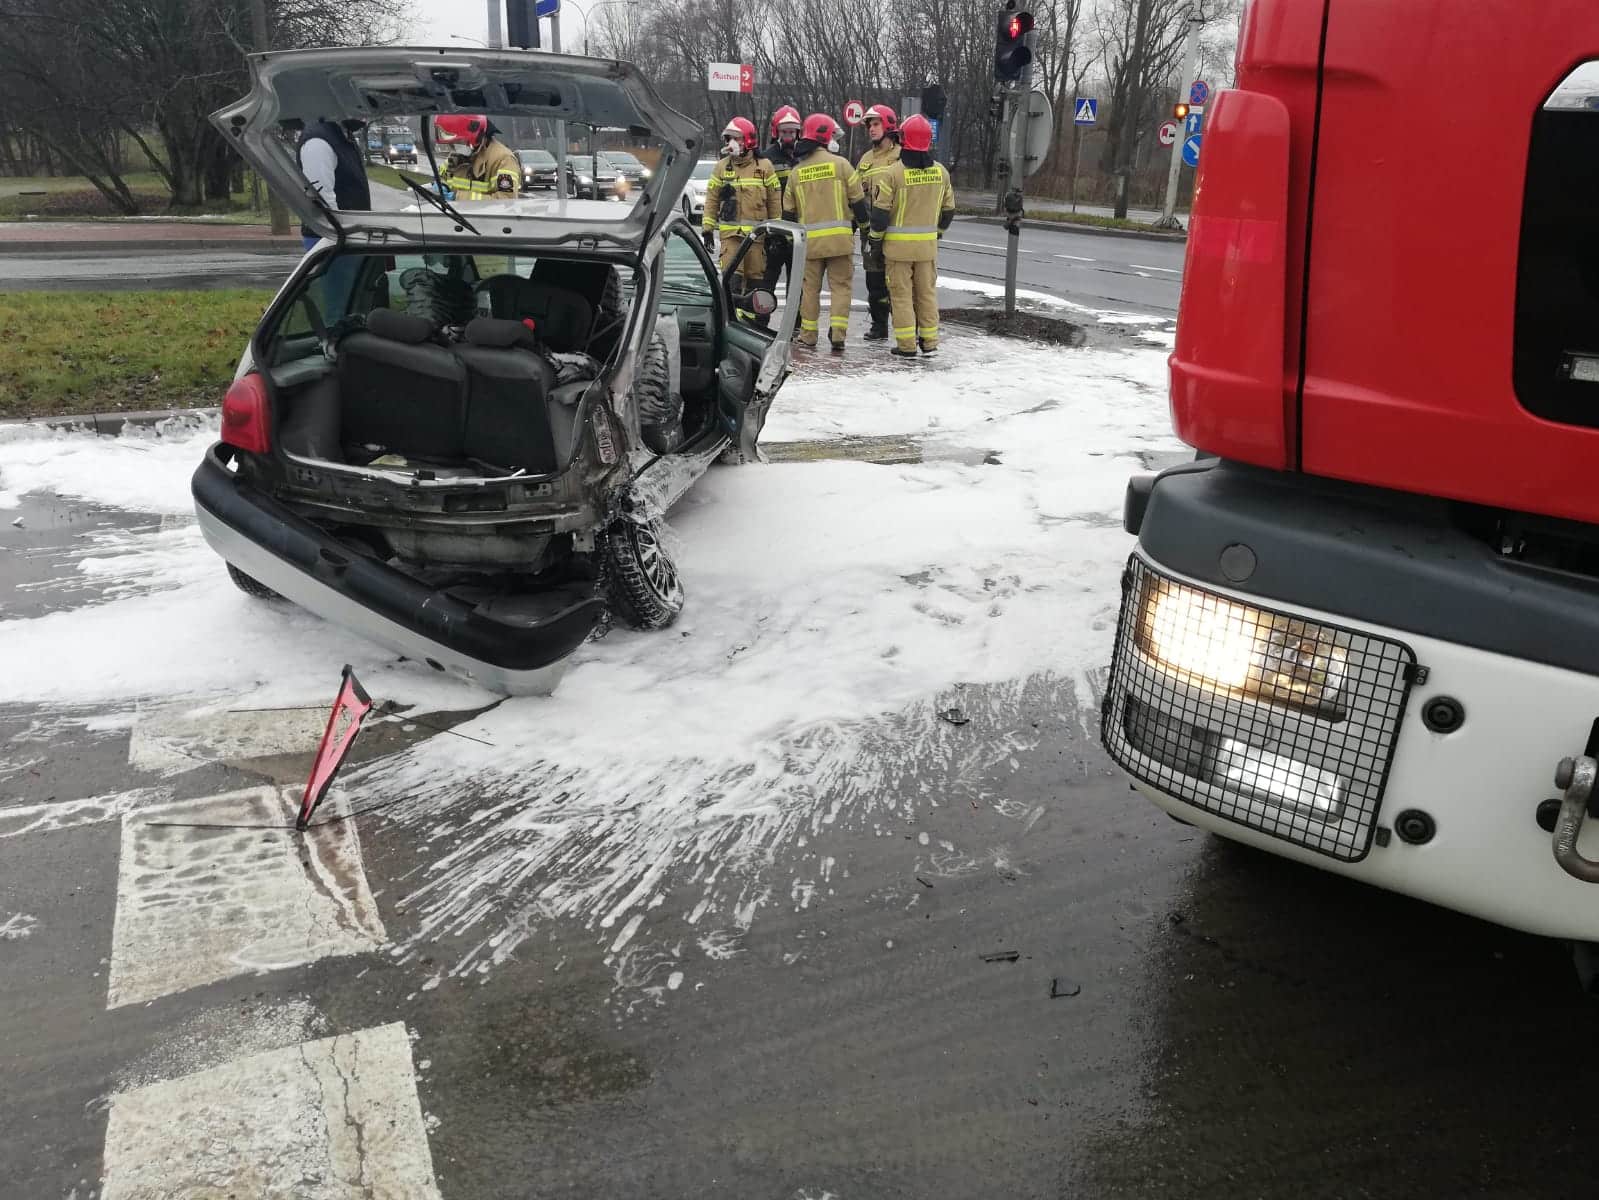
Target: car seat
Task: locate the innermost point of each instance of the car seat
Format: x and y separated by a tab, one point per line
509	384
400	392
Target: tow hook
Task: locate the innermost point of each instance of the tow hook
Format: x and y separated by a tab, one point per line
1575	778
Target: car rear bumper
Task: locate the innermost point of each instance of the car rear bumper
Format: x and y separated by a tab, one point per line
1301	562
280	549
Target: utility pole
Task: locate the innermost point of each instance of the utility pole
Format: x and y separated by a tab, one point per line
560	126
261	35
1168	214
496	34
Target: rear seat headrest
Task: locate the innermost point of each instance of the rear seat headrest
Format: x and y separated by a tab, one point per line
398	326
502	334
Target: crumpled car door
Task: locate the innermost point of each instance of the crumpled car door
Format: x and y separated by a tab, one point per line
774	344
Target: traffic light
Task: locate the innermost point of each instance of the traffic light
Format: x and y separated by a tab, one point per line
1013	44
522	24
1179	111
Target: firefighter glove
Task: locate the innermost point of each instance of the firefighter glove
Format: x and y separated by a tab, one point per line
709	238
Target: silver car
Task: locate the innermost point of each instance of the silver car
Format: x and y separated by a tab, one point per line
457	427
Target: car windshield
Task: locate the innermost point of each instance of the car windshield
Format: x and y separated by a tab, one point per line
703	168
622	158
536	158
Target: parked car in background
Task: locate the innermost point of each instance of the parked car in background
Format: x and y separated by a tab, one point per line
628	166
539	169
590	177
694	191
455	430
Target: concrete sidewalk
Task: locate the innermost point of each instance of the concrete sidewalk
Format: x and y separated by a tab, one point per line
54	237
1040	204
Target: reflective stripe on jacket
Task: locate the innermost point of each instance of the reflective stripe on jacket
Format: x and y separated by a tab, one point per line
875	161
822	190
493	172
916	200
757	192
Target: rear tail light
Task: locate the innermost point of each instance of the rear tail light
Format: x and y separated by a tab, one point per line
245	415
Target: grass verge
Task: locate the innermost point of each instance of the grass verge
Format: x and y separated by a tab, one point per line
1069	218
77	352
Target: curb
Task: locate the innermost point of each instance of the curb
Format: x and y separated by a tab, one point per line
243	245
1093	230
106	424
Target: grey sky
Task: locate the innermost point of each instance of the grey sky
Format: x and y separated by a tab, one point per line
436	20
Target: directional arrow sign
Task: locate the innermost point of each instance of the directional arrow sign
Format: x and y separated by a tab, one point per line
1195	122
546	8
1191	151
746	78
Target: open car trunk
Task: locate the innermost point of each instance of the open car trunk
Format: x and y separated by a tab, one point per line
528	96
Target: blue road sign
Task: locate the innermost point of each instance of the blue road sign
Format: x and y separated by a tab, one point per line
1087	110
1191	151
935	122
546	8
1198	94
1194	123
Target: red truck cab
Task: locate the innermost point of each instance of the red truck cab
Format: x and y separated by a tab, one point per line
1362	628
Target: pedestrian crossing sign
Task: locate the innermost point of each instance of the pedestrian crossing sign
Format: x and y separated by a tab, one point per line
1087	111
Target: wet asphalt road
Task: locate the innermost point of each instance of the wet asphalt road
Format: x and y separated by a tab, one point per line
1230	1025
1094	271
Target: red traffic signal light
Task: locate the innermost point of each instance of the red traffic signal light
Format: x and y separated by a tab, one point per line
1013	44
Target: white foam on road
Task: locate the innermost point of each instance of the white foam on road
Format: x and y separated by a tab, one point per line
333	1119
198	905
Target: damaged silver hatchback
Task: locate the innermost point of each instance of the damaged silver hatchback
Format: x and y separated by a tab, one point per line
458	426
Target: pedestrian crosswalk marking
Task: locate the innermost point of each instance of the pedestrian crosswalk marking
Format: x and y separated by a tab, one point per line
199	905
332	1119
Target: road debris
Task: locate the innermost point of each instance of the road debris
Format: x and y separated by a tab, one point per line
1063	988
954	716
924	882
1002	956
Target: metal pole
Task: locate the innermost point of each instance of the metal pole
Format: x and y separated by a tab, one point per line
560	126
1013	205
261	34
496	36
1077	166
1168	214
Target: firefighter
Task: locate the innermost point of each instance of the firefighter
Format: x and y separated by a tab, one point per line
912	205
786	125
882	126
481	166
743	191
823	195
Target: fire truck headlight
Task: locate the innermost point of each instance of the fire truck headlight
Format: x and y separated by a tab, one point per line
1240	649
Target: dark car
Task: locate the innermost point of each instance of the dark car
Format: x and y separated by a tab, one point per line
539	169
401	150
456	429
591	177
628	167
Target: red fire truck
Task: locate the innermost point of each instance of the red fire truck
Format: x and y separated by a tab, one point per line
1361	629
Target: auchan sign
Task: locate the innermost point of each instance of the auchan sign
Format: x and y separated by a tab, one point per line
730	77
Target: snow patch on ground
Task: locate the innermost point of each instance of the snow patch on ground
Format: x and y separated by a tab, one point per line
18	926
996	291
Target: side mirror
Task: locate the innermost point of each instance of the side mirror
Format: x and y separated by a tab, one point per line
761	302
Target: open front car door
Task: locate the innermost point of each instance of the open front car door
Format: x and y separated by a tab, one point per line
762	324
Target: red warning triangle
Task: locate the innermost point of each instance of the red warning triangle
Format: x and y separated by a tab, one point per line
344	722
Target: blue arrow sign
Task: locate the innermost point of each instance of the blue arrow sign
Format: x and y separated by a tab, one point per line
1195	122
546	8
1087	111
1191	151
934	122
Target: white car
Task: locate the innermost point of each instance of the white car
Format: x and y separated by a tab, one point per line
694	192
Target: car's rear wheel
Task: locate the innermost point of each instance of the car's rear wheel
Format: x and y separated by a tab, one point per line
251	586
641	580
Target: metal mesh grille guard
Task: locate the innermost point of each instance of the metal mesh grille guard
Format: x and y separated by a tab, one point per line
1282	724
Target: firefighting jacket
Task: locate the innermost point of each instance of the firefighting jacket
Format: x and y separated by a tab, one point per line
876	160
742	192
823	195
782	159
492	172
911	206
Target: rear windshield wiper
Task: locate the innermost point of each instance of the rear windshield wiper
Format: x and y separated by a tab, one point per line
438	202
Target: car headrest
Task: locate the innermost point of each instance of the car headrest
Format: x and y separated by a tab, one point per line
503	334
398	326
564	319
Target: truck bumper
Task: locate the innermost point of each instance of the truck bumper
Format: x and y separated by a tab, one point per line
280	549
1244	702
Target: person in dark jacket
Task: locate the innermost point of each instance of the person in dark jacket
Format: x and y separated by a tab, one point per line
331	160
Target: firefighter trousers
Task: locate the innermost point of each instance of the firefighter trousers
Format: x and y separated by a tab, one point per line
753	268
877	302
840	271
913	292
